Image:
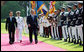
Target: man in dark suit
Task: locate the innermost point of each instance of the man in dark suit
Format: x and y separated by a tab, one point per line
10	26
32	26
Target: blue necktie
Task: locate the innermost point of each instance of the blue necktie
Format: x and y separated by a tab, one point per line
11	19
33	18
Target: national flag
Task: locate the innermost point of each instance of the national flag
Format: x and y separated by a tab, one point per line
41	6
52	6
33	4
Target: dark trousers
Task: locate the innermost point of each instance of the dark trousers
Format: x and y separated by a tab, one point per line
31	31
49	31
11	35
60	31
46	33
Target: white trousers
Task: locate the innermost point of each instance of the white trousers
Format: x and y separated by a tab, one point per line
52	31
80	31
55	32
70	32
58	32
64	31
41	30
19	34
74	32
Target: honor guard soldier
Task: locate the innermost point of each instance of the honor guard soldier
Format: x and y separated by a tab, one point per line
74	30
59	28
64	26
52	26
80	21
56	23
70	16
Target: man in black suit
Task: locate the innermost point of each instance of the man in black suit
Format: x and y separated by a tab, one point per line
10	26
32	26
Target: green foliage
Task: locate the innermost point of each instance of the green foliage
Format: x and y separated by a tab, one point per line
11	5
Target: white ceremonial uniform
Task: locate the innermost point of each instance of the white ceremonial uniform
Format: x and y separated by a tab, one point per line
74	32
64	27
20	26
80	30
41	26
55	30
70	29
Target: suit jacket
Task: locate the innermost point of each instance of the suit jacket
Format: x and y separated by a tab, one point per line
10	25
32	22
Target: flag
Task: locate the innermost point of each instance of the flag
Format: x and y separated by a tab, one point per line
33	4
41	6
52	6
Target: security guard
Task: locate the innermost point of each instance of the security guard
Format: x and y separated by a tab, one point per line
70	17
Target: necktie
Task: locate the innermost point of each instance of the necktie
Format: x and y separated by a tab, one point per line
11	19
33	18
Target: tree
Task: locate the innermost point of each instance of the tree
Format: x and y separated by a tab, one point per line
11	5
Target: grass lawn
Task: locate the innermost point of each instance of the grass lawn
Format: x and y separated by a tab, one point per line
57	43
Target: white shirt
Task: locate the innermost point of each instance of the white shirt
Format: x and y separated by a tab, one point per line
46	23
20	22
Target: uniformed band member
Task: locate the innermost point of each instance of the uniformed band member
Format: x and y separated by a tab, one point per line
20	26
70	17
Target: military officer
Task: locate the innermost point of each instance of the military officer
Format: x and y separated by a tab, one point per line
20	26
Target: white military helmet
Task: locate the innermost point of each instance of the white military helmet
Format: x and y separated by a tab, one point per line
80	2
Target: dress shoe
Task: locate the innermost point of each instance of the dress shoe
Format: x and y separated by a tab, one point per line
75	42
80	43
69	40
20	41
60	38
36	42
30	42
65	40
10	42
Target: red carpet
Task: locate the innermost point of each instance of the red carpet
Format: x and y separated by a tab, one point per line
25	45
